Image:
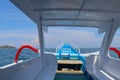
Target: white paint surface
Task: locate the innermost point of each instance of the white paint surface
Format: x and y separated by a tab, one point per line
31	69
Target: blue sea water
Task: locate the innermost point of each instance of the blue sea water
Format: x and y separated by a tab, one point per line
7	55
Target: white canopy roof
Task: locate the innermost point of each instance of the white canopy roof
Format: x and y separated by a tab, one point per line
76	13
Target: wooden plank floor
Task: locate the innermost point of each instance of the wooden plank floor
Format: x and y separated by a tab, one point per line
69	62
70	75
69	72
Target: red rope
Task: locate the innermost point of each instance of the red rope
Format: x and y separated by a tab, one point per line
115	50
21	48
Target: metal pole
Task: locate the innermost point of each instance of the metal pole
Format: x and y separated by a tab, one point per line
107	42
41	39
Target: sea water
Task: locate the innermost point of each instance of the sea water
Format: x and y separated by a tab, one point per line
7	55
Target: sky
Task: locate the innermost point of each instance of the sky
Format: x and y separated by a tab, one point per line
17	29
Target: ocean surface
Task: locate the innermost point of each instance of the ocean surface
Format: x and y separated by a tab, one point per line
7	55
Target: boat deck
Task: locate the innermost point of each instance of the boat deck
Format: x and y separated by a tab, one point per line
69	72
69	62
70	78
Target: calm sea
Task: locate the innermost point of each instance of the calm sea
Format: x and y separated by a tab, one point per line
7	54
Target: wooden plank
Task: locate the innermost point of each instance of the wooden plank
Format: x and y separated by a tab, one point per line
68	72
69	62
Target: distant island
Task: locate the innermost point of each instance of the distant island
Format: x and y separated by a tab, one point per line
7	46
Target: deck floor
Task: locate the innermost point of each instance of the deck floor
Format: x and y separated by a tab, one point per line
69	77
69	62
69	72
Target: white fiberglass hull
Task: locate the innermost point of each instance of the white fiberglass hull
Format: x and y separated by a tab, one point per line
33	69
109	70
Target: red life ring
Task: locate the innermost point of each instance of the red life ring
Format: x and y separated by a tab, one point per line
21	48
115	50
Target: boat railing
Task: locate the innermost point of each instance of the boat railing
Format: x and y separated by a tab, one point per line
21	48
76	48
71	44
59	47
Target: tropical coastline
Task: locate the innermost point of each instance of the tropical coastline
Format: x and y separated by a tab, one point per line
7	46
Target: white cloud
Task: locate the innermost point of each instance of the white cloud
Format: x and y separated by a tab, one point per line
10	35
116	39
116	42
81	38
18	38
55	36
